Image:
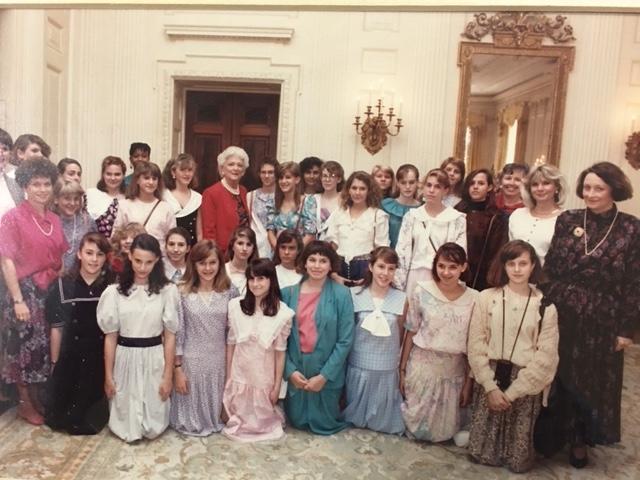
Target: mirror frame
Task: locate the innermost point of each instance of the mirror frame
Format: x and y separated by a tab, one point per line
510	44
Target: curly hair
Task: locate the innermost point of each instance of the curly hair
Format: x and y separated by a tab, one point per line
36	167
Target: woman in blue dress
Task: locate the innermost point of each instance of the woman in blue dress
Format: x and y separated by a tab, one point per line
372	384
319	344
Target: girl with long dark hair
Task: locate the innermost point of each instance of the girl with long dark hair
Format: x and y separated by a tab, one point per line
259	325
139	316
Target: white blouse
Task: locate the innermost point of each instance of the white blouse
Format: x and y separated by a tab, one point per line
195	199
138	315
287	277
358	237
238	279
160	222
537	231
421	235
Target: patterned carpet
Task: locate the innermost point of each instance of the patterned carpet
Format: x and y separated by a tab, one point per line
37	453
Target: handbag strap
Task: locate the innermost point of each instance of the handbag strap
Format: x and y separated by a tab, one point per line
151	213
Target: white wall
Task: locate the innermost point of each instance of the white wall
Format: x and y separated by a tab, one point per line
116	80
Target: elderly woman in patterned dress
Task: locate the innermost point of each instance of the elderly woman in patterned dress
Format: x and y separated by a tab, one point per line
593	265
31	255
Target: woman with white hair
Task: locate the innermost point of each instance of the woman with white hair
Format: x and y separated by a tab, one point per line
543	192
224	204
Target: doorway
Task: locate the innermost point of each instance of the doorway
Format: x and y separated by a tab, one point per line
215	120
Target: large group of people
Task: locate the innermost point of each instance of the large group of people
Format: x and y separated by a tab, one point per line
438	307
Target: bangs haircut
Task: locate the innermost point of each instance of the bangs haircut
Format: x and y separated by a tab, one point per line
334	168
387	255
451	252
199	252
613	176
511	168
36	167
130	229
318	247
281	170
287	236
106	275
270	304
497	276
546	172
181	161
63	187
143	168
389	171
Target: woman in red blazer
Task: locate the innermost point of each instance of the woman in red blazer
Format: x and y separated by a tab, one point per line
224	204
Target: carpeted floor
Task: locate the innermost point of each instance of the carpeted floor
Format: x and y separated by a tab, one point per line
28	452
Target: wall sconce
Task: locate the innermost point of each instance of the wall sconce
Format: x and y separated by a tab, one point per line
632	153
374	131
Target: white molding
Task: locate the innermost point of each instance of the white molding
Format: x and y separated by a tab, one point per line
289	81
229	33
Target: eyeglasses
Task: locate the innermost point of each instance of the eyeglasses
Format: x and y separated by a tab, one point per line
331	176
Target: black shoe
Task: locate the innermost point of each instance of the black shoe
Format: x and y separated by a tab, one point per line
578	462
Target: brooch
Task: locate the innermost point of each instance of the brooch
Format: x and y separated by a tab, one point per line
578	231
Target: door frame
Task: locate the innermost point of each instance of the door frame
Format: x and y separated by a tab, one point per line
174	105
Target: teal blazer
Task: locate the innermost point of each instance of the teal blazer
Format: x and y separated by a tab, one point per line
335	327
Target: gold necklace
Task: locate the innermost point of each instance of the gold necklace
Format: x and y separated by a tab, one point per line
586	249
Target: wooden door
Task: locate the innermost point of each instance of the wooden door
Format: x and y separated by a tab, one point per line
216	120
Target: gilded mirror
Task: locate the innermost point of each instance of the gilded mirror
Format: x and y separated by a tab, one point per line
512	92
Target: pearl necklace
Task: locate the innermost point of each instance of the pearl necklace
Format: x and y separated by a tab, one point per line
46	234
586	250
233	191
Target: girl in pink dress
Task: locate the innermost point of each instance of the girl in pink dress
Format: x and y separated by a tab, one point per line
259	325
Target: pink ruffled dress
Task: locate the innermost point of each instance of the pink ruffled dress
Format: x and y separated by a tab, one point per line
252	416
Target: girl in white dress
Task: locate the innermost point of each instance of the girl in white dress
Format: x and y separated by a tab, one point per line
144	203
241	250
139	316
425	229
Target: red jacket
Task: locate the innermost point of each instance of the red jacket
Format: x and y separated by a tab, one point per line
219	213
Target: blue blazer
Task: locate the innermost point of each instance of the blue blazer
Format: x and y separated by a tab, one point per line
334	325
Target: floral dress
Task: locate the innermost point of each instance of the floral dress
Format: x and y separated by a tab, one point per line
302	220
598	299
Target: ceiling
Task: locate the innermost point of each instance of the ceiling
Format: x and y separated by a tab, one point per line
496	74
